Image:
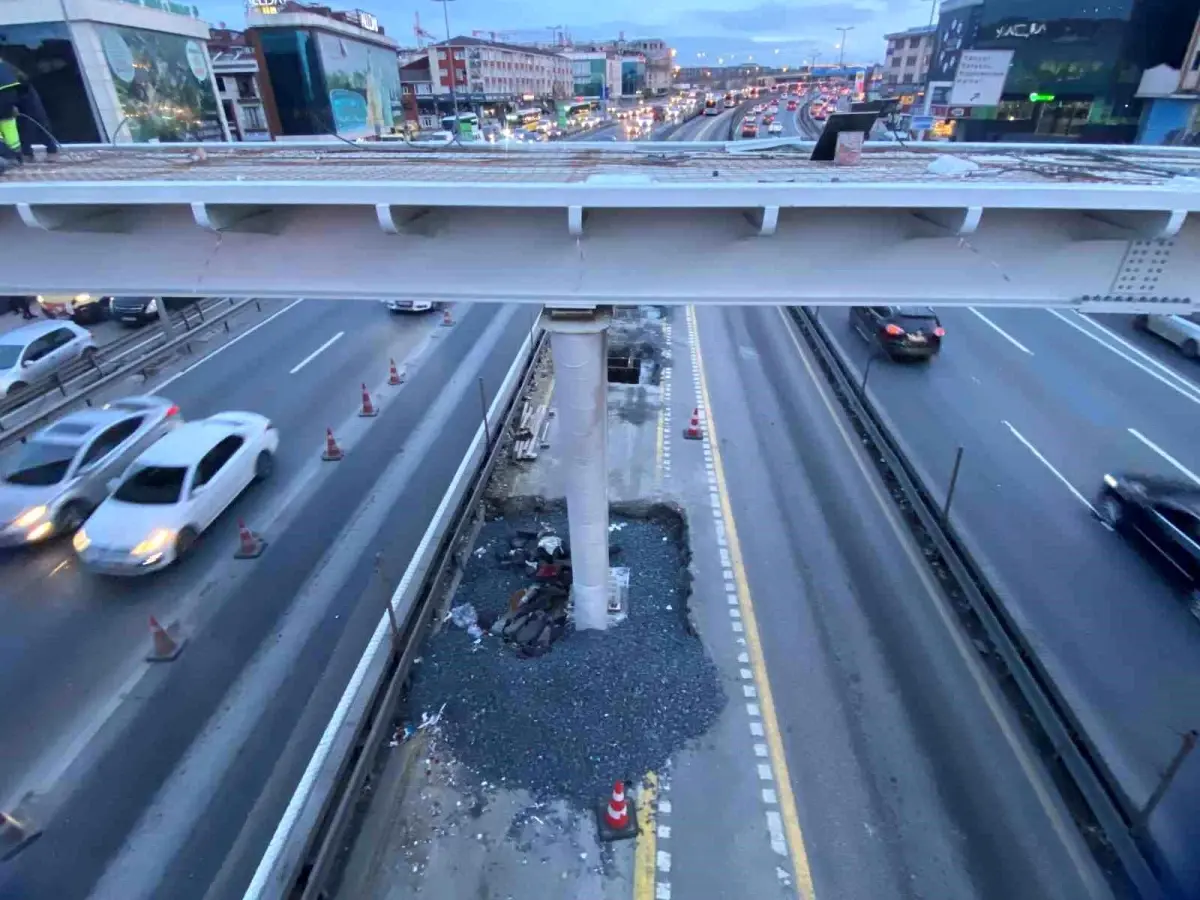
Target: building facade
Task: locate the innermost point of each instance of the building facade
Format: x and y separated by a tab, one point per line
325	73
909	53
595	74
1075	70
109	70
659	62
485	71
236	70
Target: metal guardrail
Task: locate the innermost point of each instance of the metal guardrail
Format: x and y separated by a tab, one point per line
1052	715
313	868
106	358
120	364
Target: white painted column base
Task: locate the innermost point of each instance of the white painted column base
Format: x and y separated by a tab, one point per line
579	346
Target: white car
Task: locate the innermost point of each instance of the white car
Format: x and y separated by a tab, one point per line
408	305
34	353
1182	331
174	491
775	128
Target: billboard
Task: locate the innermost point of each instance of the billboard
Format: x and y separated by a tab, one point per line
163	84
956	30
980	76
363	82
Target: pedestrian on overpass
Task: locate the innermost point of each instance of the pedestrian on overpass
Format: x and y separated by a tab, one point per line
19	98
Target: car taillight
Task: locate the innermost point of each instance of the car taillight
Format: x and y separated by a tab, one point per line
939	331
172	411
894	330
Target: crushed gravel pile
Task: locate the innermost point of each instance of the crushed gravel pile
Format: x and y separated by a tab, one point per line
597	706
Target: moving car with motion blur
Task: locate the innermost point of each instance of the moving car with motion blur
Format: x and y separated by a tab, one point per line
403	306
900	332
174	491
62	472
82	309
792	105
749	128
1161	515
775	128
1182	331
37	352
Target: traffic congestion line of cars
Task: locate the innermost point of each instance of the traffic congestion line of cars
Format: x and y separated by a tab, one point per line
132	483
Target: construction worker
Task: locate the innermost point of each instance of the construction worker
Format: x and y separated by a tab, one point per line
18	96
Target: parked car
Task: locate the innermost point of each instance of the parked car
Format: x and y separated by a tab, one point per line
34	353
137	311
174	491
82	309
1182	331
1161	515
899	331
62	472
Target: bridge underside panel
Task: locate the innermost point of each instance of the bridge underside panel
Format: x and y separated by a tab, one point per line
696	255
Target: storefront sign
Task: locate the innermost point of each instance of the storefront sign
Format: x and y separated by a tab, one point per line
1020	30
979	80
368	21
266	7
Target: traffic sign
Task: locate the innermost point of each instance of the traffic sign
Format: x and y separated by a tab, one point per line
980	78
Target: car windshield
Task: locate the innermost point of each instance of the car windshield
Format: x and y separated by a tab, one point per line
42	462
152	485
9	354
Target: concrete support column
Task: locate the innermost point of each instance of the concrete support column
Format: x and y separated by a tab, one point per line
579	342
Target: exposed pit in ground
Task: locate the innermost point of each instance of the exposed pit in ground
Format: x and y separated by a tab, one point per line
598	706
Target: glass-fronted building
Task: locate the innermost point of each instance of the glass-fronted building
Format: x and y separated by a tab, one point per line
633	75
1081	62
118	71
326	76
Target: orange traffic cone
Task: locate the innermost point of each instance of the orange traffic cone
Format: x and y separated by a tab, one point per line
368	408
617	818
332	450
394	376
250	545
15	836
447	318
693	432
166	646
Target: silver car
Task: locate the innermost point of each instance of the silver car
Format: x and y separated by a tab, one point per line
36	352
62	473
1182	331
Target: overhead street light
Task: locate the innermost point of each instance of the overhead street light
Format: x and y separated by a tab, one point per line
842	45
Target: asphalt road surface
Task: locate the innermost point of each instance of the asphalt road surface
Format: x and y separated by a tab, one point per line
909	778
184	782
1044	404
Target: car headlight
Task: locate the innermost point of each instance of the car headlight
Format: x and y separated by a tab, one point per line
81	541
30	516
1110	481
152	306
155	541
83	298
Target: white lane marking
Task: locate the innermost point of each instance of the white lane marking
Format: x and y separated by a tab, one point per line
325	346
381	635
1184	382
752	710
775	829
1129	359
224	347
765	773
769	796
1165	455
760	750
1000	331
664	807
1045	462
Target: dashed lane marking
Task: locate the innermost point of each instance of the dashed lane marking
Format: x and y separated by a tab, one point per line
783	823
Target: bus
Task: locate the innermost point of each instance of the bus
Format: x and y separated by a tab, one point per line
710	106
730	103
523	120
468	126
578	114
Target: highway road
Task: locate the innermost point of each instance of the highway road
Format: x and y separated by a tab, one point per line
175	775
1045	403
911	777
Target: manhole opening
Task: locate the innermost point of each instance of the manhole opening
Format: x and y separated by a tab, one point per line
632	366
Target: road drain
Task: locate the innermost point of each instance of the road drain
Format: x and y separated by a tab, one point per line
632	365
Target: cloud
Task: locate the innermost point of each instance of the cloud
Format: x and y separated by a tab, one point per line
778	18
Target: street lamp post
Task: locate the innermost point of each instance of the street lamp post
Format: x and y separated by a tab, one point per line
450	64
842	45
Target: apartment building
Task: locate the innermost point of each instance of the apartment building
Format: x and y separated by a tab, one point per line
908	56
489	70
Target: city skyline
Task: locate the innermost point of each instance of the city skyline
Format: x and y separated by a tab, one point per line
768	33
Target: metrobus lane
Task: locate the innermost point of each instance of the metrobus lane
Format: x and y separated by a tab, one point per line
909	775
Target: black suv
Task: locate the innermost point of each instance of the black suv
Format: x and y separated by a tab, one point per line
135	311
902	332
1162	515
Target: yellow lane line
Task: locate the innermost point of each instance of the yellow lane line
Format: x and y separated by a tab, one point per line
766	702
644	856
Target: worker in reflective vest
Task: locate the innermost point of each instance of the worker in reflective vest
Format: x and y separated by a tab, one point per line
18	96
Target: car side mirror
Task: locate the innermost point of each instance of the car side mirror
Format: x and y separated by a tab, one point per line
112	484
25	362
